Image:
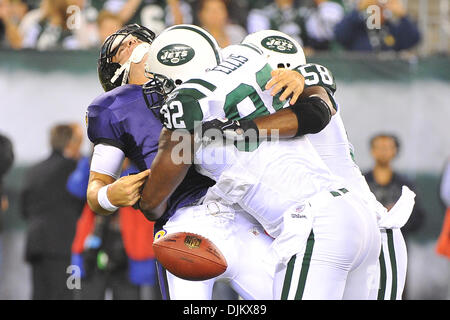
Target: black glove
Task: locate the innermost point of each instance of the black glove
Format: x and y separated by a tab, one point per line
229	129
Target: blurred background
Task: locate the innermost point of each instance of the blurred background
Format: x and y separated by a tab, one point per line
390	60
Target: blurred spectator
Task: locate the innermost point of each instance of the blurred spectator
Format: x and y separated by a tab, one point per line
107	23
213	16
178	12
282	15
320	23
238	11
386	184
444	188
82	22
153	14
113	252
50	27
33	4
125	9
51	213
443	242
377	25
11	13
6	161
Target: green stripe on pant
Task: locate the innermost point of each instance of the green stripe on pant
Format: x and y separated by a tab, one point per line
383	269
391	247
288	278
303	272
382	289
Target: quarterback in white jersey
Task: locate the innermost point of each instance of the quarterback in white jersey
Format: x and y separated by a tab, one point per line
335	150
282	184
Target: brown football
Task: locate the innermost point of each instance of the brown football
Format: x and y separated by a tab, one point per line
189	256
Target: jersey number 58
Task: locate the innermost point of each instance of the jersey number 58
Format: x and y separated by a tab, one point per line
316	75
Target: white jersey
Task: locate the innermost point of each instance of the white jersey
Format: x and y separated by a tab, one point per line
235	89
332	142
334	148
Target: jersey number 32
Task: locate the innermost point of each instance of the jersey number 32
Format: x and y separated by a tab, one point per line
173	112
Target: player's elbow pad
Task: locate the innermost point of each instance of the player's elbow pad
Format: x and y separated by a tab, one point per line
313	114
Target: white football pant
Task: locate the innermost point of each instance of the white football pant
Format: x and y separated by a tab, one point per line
339	260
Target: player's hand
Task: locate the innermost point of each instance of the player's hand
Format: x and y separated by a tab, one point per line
290	81
126	191
234	130
229	129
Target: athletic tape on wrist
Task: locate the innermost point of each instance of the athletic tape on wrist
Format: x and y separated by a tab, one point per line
103	200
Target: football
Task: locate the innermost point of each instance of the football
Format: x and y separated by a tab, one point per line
189	256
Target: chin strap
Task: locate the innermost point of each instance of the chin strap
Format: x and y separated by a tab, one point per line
136	57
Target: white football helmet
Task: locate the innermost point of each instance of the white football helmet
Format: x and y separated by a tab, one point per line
182	51
280	49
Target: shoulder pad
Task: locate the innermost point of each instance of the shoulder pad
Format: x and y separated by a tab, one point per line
102	126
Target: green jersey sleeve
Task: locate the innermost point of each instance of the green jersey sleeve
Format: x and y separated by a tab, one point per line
181	112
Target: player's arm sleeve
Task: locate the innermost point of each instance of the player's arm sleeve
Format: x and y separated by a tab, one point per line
107	159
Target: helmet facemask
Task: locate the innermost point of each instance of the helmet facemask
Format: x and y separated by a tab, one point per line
156	91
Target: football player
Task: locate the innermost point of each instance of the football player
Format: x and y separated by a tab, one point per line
283	184
334	148
120	125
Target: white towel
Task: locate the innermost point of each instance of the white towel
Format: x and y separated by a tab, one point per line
400	212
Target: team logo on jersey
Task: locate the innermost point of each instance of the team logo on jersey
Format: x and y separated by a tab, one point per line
175	54
160	234
192	242
279	44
